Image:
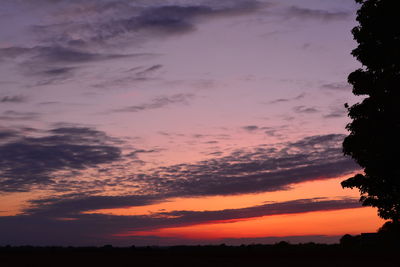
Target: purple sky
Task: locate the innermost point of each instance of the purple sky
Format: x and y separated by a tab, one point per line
127	103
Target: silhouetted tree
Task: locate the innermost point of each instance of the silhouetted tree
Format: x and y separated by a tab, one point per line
390	233
349	240
374	139
390	228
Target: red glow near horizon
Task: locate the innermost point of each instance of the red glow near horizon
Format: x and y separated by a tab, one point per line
337	222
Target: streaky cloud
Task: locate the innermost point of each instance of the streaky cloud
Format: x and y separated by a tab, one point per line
158	103
264	169
337	86
12	115
324	15
57	54
13	99
304	109
282	100
76	229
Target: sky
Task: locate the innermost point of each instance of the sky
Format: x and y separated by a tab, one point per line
167	122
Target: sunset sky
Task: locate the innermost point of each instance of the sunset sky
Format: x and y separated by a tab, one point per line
165	122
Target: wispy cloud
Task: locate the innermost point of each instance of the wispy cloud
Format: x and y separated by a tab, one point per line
324	15
13	99
11	115
336	112
130	19
282	100
304	109
158	103
55	54
339	86
60	46
130	77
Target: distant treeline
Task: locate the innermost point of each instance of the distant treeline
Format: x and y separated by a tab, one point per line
283	253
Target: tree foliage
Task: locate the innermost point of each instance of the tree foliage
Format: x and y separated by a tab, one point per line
374	139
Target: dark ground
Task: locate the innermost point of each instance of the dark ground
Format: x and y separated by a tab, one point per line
281	254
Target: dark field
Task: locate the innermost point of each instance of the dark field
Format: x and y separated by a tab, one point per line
252	255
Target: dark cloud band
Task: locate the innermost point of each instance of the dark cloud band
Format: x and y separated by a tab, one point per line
27	161
55	229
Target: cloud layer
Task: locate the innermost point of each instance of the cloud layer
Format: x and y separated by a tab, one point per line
78	228
27	161
34	161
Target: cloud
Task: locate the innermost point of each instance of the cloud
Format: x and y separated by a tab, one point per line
158	102
58	71
53	64
57	54
274	131
6	134
136	74
28	161
149	70
49	74
263	169
260	170
11	115
129	20
282	100
13	99
76	33
250	128
67	55
324	15
79	203
134	154
167	19
303	109
45	229
279	208
268	130
337	86
279	100
93	24
336	112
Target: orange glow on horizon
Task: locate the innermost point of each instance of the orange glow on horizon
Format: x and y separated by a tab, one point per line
338	222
